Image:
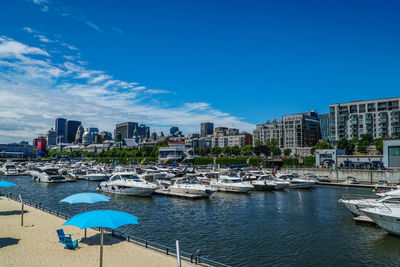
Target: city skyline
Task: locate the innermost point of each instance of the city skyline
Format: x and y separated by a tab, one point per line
187	63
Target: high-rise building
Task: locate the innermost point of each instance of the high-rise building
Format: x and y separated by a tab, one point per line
239	140
79	134
268	131
324	126
71	130
294	131
142	131
131	129
173	130
301	130
60	127
126	129
51	137
378	118
206	128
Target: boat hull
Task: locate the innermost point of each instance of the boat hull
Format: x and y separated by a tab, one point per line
128	191
387	222
193	191
94	177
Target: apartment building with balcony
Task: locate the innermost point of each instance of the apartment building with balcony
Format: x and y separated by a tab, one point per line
378	118
267	131
294	131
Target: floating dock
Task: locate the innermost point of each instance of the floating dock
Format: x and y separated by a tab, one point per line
364	220
359	185
167	193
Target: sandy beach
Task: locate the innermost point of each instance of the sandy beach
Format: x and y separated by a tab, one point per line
36	243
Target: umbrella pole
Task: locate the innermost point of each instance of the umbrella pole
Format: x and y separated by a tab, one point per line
85	211
101	247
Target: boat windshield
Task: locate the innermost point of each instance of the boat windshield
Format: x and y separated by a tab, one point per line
232	181
188	181
132	177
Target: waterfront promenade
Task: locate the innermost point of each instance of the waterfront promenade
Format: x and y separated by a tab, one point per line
36	243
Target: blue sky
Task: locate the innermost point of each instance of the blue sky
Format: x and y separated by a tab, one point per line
164	63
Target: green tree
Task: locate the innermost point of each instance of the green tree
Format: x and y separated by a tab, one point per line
263	149
379	144
287	152
343	143
216	150
273	147
235	150
362	145
227	151
347	145
321	145
247	150
276	151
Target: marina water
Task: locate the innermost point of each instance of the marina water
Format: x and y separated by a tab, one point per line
293	227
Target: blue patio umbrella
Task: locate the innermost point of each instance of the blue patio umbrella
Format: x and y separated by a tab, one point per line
102	218
6	184
85	198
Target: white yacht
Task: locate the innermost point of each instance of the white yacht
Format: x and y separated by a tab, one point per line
388	218
231	184
76	173
355	204
267	183
296	182
46	175
191	185
95	175
127	183
9	169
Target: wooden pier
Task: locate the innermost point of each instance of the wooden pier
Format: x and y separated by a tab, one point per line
364	220
167	193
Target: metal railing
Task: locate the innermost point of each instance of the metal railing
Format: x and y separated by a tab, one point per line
194	258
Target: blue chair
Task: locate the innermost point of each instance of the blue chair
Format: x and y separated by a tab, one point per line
61	235
69	243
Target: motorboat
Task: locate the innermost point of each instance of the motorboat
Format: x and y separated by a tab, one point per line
231	184
253	175
297	182
76	173
190	185
95	175
268	183
355	203
46	175
351	180
386	217
127	183
9	169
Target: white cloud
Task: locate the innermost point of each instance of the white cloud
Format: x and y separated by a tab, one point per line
157	91
40	2
35	90
65	12
12	49
44	38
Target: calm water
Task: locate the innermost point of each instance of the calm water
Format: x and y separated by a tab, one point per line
303	227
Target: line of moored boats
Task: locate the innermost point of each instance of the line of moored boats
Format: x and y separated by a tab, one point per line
146	179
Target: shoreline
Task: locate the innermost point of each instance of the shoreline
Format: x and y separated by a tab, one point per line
36	243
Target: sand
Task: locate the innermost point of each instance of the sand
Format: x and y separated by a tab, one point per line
36	243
